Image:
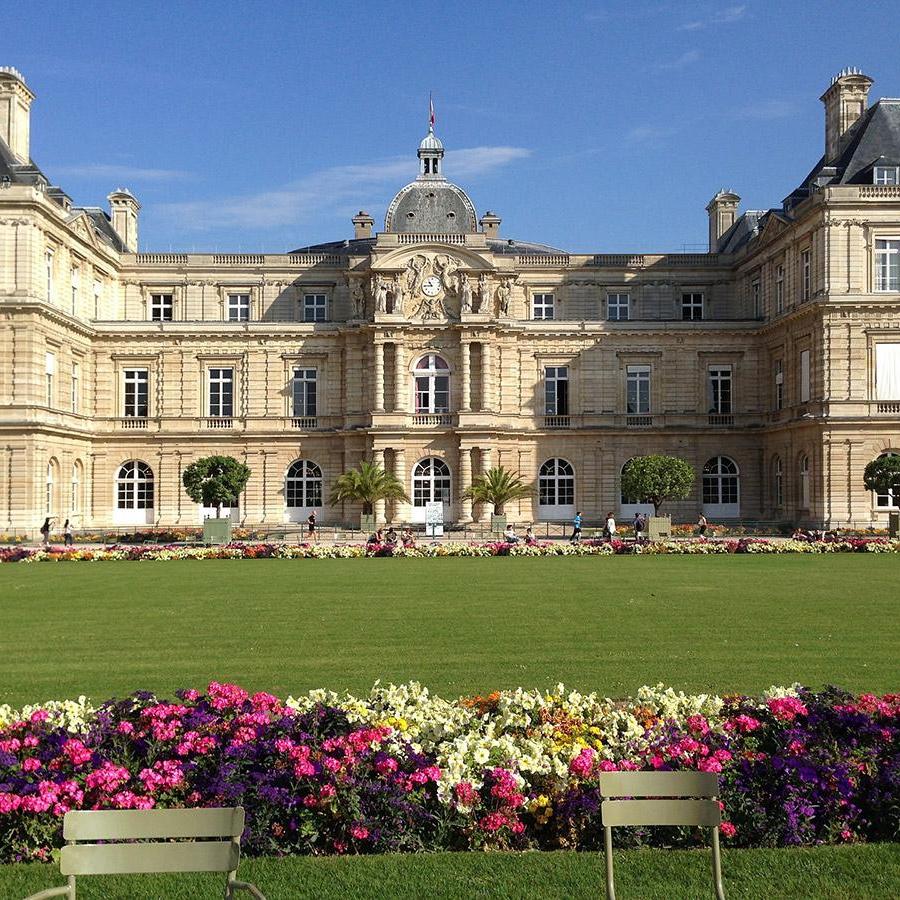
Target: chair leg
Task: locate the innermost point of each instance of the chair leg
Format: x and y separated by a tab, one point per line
608	853
717	866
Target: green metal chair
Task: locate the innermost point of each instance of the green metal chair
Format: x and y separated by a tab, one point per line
660	798
151	840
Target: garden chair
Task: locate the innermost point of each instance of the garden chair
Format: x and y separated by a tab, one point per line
665	798
137	841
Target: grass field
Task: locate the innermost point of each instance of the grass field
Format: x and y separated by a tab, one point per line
457	625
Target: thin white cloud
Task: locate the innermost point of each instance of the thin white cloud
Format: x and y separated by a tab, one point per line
119	173
648	136
766	109
686	59
328	190
724	16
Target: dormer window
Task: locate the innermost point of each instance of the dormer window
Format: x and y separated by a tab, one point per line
886	175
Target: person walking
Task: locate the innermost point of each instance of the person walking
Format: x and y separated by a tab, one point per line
610	527
639	526
311	526
68	535
702	525
576	528
45	532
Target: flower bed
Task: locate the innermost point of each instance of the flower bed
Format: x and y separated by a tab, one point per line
699	547
402	770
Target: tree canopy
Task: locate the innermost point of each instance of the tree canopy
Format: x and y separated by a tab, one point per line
499	487
883	475
215	481
657	479
366	484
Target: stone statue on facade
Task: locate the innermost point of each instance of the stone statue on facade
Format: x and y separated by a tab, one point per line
399	291
415	273
446	267
484	294
503	295
358	297
465	293
380	293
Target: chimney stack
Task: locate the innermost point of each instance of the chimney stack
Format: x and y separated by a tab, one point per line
845	101
490	224
362	225
124	208
722	211
15	113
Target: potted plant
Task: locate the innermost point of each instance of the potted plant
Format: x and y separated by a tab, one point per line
216	481
657	479
367	484
498	486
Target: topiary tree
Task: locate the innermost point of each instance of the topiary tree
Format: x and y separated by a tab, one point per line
499	487
215	481
365	485
656	479
882	475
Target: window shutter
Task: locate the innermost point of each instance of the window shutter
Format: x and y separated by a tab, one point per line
887	371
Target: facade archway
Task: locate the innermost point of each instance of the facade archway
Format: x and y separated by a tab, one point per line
891	500
431	483
302	490
556	490
135	494
721	488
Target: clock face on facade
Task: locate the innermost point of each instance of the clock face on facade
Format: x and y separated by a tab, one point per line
431	286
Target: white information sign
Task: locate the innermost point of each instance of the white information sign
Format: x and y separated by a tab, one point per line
434	518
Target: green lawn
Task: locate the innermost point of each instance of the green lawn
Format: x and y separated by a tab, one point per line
457	625
824	873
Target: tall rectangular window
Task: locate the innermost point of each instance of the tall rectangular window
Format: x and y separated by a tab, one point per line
543	306
637	389
238	307
76	277
779	289
221	393
161	307
315	308
303	392
756	298
887	371
805	275
886	175
720	389
48	271
136	393
779	384
887	264
617	307
50	369
556	390
691	307
76	386
98	294
804	376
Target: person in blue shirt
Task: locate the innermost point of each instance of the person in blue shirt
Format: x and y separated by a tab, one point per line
576	528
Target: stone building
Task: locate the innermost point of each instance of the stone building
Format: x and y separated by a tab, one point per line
439	348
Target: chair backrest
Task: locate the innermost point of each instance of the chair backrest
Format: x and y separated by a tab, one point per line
678	798
212	843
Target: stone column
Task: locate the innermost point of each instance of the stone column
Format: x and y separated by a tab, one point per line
486	461
465	399
401	388
379	379
402	508
465	482
378	459
486	359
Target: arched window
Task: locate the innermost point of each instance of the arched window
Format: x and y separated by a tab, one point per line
721	488
302	489
556	489
630	506
777	483
432	381
804	482
134	486
77	480
890	500
430	484
50	495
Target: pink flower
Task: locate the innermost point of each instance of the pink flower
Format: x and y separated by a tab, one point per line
191	695
607	765
30	764
786	709
742	723
223	696
386	765
76	752
465	793
360	832
332	764
728	830
39	715
710	764
492	821
698	724
125	728
9	803
309	801
262	700
847	835
582	764
327	791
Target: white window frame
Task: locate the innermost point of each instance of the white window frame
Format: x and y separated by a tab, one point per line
886	175
315	307
302	405
556	482
543	306
890	500
431	481
637	377
134	493
721	488
303	481
133	379
160	306
717	376
887	264
556	398
50	486
427	383
219	405
887	370
692	303
50	369
238	307
779	288
618	306
805	274
76	386
98	297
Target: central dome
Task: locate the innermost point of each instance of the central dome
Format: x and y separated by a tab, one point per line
431	203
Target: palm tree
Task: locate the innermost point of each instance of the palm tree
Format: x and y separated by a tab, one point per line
365	485
498	486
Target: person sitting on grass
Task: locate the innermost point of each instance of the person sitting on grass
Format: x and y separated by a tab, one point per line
408	538
391	538
530	539
510	536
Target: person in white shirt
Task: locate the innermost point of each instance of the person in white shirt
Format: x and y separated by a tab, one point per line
610	526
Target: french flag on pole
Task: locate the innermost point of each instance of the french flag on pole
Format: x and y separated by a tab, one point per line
430	111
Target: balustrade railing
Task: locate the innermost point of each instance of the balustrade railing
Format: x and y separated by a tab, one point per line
218	423
557	422
719	420
642	421
432	419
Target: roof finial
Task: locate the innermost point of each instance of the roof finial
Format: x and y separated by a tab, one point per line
430	112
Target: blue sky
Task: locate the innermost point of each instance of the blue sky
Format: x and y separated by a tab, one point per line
591	126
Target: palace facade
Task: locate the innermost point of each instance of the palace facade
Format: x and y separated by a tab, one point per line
439	347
